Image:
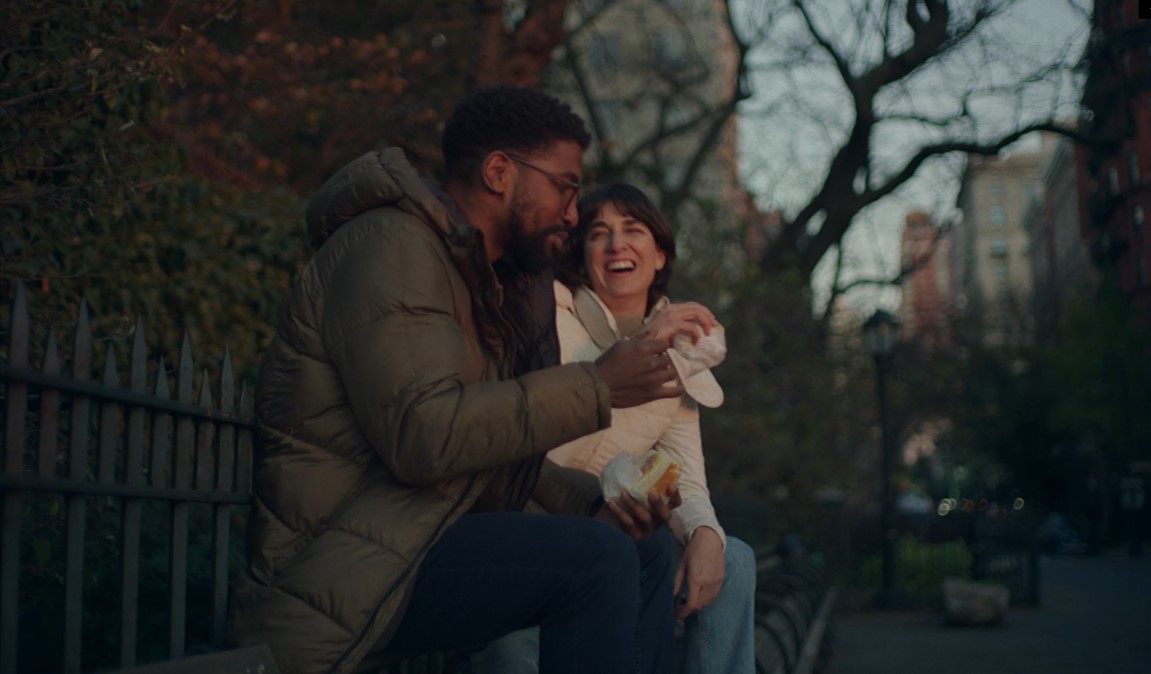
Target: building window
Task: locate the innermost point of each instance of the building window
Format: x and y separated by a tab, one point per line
603	53
1137	217
1113	179
998	216
997	192
677	113
608	114
1133	166
999	247
670	50
673	174
1001	269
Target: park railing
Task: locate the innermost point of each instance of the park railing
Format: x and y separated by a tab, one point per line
124	504
975	541
793	613
108	479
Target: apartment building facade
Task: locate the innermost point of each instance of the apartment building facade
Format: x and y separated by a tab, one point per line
648	76
1115	188
1061	266
991	256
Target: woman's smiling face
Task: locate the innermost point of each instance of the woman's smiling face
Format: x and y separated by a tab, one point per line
621	258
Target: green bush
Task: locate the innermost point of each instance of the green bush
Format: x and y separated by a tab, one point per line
920	569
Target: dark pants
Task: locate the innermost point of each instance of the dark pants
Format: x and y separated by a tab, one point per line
602	601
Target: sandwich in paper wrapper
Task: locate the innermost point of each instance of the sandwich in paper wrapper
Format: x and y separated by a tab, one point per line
639	476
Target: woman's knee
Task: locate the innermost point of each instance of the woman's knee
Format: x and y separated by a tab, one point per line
739	566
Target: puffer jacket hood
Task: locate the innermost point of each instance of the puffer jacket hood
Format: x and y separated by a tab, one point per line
375	180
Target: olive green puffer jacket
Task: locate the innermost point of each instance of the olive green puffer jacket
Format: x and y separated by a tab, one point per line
386	409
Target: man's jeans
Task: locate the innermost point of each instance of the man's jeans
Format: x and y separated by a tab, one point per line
718	639
599	598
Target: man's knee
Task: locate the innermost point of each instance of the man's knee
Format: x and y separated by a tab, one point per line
659	554
611	557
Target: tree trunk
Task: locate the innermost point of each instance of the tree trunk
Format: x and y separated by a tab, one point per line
517	54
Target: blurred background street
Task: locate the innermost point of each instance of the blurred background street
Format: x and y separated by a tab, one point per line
1094	616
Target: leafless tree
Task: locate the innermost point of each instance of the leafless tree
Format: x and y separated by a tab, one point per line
660	84
909	84
851	100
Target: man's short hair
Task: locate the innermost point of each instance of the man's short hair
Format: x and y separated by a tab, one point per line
506	118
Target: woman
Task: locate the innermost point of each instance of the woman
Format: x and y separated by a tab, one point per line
617	275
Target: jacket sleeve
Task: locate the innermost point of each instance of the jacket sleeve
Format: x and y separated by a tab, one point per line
682	443
391	332
567	491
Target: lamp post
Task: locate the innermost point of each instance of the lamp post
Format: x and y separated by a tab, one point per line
880	334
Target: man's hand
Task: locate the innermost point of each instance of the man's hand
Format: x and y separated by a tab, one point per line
637	520
702	568
687	318
637	371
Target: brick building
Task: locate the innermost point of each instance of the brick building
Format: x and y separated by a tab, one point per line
925	308
1115	187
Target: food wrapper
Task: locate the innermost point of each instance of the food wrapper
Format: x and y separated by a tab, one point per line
624	473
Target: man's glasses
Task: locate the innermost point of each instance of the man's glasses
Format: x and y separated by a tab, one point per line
559	180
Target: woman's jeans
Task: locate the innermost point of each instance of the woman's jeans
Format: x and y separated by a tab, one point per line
599	598
718	639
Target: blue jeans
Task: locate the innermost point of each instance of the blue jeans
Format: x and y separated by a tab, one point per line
718	639
599	598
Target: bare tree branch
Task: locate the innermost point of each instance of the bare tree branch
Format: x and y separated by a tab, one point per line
851	182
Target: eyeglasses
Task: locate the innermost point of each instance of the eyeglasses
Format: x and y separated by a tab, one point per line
559	180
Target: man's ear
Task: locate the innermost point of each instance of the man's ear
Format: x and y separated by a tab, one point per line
497	173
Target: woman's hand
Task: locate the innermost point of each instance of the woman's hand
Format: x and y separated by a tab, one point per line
686	318
702	568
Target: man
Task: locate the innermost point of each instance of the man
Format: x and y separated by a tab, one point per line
404	419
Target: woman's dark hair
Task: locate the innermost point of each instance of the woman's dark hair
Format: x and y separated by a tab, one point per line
629	200
506	118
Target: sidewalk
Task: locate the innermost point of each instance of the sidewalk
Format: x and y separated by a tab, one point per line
1095	617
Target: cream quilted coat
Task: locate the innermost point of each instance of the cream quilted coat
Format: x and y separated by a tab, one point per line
586	329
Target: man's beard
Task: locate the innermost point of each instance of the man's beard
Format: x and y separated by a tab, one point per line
530	253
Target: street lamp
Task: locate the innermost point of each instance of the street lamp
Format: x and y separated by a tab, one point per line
880	334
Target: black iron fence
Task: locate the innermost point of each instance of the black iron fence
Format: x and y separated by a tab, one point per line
975	540
112	488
